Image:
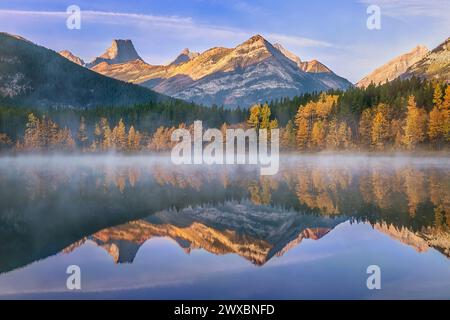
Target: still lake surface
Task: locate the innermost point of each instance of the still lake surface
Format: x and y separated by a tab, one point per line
140	227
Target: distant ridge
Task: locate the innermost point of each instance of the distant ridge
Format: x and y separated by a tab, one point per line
394	68
253	72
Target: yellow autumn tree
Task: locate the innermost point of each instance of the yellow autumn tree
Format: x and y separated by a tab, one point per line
435	125
254	119
107	134
345	135
119	136
318	134
82	134
380	131
32	135
415	125
365	128
332	139
288	136
5	141
265	122
134	139
437	97
446	114
302	137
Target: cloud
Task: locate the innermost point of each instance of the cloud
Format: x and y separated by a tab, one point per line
185	26
412	8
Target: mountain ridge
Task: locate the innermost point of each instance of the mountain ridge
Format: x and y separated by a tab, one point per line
434	66
394	68
252	72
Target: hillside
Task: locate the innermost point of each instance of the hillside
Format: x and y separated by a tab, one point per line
32	75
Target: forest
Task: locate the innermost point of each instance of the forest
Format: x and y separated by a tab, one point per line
409	114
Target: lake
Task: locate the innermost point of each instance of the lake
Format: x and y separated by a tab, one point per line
140	227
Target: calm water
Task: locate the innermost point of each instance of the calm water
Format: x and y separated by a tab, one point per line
142	228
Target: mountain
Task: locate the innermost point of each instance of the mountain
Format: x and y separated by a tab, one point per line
312	66
435	65
70	56
394	68
120	51
255	233
253	72
31	75
184	56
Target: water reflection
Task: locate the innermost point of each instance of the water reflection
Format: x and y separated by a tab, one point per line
52	205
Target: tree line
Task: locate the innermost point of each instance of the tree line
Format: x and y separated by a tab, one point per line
400	115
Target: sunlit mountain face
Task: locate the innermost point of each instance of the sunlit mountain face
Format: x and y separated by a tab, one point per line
120	214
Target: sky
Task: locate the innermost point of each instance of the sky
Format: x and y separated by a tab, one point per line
333	32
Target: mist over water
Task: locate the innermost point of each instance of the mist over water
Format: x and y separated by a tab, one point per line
139	226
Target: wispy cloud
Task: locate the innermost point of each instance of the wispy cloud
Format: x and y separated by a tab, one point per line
413	8
186	25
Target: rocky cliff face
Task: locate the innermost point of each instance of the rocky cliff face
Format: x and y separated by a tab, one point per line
252	72
394	68
121	51
435	65
71	57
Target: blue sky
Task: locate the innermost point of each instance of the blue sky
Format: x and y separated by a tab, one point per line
333	32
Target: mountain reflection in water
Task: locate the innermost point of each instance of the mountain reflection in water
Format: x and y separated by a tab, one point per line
54	205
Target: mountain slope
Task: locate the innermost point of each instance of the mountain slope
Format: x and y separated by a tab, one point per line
252	72
32	75
394	68
434	66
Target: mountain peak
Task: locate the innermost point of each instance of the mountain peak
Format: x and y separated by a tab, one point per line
315	66
186	51
288	54
184	56
256	40
120	51
71	57
256	37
